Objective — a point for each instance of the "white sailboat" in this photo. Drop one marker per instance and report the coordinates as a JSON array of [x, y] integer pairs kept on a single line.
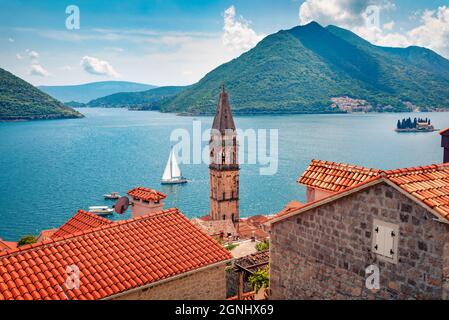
[[172, 173]]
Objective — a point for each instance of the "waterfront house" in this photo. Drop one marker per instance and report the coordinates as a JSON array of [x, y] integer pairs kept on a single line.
[[358, 221], [161, 255]]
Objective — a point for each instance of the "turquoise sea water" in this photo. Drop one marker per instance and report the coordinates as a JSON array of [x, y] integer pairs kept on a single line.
[[50, 169]]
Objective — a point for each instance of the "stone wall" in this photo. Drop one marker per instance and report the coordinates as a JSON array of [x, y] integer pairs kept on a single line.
[[207, 284], [224, 194], [323, 253], [232, 283]]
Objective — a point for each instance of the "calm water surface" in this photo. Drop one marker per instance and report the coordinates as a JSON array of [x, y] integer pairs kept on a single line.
[[50, 169]]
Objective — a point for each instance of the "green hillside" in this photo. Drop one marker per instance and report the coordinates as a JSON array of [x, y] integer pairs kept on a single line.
[[145, 100], [301, 69], [19, 100]]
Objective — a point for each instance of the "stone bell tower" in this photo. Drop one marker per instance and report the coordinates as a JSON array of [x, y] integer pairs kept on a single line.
[[224, 168]]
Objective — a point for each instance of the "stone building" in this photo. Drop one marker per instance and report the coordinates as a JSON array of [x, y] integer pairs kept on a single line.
[[224, 167], [161, 255], [364, 226]]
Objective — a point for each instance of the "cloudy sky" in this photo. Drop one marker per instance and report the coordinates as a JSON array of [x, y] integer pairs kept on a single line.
[[176, 42]]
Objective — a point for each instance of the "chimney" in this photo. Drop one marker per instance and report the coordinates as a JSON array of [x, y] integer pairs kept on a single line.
[[445, 144], [146, 201]]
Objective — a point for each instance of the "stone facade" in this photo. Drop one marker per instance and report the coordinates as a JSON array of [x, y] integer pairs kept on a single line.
[[206, 284], [323, 253], [224, 194]]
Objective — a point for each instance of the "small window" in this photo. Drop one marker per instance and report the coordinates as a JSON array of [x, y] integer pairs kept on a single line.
[[385, 240]]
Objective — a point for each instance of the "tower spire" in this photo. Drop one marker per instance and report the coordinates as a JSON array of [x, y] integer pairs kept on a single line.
[[223, 117]]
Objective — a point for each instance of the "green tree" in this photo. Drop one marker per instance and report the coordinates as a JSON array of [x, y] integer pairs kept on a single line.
[[259, 279], [28, 239], [261, 246]]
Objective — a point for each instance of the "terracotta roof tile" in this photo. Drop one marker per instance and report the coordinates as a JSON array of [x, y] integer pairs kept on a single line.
[[428, 184], [333, 176], [81, 221], [291, 206], [146, 194], [444, 131], [7, 245], [141, 251]]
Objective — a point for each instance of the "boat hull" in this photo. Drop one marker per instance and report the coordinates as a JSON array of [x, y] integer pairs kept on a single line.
[[174, 181], [101, 214]]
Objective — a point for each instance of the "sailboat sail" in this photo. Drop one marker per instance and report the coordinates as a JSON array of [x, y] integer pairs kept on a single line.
[[167, 172], [172, 173], [175, 171]]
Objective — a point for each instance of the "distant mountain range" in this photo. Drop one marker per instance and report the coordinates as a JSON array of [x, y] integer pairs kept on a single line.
[[20, 100], [144, 100], [86, 92], [301, 69]]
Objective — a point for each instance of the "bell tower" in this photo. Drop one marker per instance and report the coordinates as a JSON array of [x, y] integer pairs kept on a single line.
[[224, 168]]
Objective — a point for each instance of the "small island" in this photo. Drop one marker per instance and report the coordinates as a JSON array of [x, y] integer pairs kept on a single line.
[[415, 125]]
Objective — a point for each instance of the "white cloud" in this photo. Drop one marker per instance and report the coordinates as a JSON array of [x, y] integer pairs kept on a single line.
[[32, 54], [433, 33], [19, 56], [11, 40], [38, 70], [237, 32], [96, 66], [342, 13]]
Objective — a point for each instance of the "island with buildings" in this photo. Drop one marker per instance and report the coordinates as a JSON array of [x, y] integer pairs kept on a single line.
[[415, 125]]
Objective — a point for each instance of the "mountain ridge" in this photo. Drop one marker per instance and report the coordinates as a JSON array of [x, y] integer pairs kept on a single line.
[[86, 92], [19, 100], [142, 100], [299, 70]]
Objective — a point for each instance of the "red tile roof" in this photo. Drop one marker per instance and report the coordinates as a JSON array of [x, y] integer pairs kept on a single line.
[[146, 194], [333, 176], [429, 184], [444, 131], [46, 234], [112, 258], [7, 245], [81, 221], [256, 220], [216, 227], [290, 207]]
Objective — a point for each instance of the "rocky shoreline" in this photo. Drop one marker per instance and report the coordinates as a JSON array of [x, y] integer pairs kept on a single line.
[[39, 117]]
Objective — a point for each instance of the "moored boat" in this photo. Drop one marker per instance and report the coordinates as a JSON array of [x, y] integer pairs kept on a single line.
[[101, 210], [112, 196]]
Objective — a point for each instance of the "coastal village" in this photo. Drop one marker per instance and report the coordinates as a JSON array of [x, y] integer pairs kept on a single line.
[[354, 220]]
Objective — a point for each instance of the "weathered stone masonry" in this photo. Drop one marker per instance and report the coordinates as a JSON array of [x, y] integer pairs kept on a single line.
[[323, 253], [207, 284]]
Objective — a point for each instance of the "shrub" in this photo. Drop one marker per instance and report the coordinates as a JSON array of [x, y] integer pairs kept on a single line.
[[260, 279], [29, 239], [261, 246]]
